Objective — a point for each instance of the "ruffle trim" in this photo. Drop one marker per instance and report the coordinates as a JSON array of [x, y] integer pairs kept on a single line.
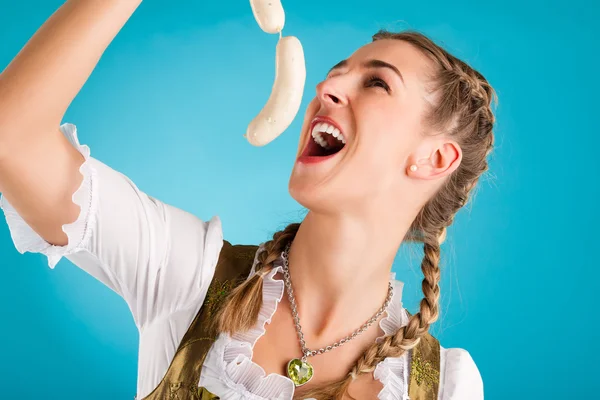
[[241, 378], [241, 373], [392, 372], [395, 316], [272, 292], [78, 234]]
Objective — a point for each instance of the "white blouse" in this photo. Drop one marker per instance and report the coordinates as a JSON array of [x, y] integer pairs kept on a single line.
[[161, 260]]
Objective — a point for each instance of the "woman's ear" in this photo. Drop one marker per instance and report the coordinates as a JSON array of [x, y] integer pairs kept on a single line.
[[434, 160]]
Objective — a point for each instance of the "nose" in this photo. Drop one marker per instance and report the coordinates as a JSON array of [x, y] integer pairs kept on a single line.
[[331, 94]]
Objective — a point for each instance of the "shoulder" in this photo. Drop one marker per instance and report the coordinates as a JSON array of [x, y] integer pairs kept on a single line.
[[459, 376]]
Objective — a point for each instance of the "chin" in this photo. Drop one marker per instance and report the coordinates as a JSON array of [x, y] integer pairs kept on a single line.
[[307, 194], [303, 192], [321, 198]]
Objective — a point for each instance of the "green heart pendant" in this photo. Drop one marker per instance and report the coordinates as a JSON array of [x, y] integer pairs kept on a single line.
[[300, 372]]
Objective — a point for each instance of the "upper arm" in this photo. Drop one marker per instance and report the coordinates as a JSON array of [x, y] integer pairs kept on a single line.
[[159, 258], [460, 377], [39, 176]]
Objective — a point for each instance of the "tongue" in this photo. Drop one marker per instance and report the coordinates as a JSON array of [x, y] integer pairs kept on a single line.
[[334, 144], [315, 150]]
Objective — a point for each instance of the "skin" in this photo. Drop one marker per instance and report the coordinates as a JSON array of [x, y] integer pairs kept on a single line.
[[341, 258]]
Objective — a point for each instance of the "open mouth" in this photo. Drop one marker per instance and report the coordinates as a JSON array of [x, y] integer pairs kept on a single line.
[[327, 140]]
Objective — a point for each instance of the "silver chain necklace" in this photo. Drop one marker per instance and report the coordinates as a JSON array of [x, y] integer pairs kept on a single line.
[[299, 370]]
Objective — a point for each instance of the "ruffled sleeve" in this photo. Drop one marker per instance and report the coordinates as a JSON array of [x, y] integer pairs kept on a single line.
[[159, 258], [460, 377], [27, 240]]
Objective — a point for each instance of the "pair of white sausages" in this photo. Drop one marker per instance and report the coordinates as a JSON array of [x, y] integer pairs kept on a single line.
[[290, 76]]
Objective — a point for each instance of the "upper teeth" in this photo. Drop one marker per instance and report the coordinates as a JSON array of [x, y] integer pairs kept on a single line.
[[322, 128]]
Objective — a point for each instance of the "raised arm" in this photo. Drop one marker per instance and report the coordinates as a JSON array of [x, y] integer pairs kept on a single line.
[[159, 258], [39, 168]]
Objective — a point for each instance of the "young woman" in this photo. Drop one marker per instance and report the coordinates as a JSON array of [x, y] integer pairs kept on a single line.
[[391, 146]]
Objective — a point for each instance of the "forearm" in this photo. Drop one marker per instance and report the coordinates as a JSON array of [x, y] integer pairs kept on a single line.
[[40, 83]]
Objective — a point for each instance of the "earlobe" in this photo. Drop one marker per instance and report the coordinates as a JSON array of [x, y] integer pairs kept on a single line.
[[419, 169]]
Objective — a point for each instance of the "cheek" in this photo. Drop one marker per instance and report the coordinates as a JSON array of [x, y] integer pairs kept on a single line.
[[403, 128], [386, 140]]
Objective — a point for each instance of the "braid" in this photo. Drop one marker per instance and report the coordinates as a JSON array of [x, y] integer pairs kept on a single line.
[[405, 338], [409, 336], [242, 306]]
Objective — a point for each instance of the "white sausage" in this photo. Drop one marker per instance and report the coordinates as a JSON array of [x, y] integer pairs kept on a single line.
[[269, 15], [286, 95]]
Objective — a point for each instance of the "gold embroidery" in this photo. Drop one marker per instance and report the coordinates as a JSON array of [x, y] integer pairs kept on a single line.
[[174, 388], [197, 392], [424, 372], [217, 292]]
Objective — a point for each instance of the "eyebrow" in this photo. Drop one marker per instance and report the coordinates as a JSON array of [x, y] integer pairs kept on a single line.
[[370, 64]]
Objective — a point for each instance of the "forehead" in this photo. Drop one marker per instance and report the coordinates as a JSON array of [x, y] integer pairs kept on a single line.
[[412, 63]]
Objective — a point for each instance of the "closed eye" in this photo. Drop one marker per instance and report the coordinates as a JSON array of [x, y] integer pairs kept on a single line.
[[375, 81]]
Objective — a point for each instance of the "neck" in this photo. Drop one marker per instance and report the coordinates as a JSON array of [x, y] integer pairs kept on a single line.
[[340, 269]]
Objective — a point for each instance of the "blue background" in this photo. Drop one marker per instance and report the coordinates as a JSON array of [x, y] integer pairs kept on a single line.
[[169, 102]]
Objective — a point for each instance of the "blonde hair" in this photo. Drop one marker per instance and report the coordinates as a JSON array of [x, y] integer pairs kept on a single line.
[[461, 110]]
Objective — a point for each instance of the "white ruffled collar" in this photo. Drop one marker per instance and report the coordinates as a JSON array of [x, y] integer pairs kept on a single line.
[[237, 354]]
